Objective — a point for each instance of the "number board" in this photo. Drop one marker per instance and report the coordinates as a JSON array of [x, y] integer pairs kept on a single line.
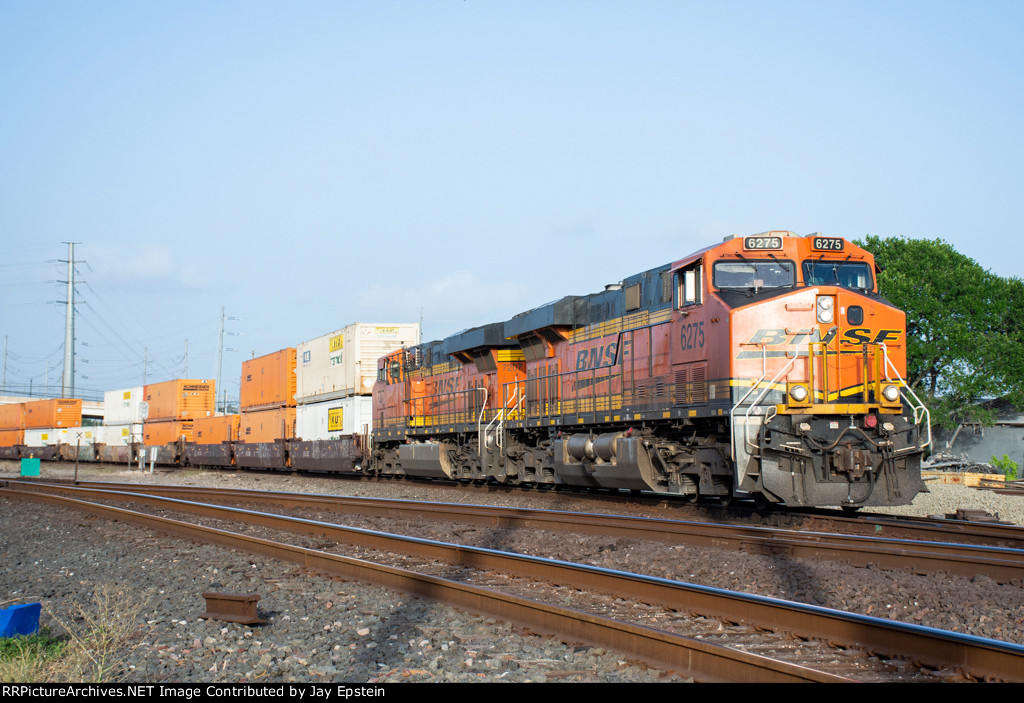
[[828, 244], [762, 242]]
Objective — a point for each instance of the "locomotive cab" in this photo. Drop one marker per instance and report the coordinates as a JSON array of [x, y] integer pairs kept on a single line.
[[820, 413]]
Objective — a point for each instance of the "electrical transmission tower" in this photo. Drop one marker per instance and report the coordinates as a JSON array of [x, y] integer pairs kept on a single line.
[[67, 385]]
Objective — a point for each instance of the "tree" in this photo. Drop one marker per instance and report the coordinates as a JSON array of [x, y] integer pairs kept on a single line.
[[965, 331]]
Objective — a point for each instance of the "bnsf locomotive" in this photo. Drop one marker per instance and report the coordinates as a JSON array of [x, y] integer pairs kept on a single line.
[[766, 367]]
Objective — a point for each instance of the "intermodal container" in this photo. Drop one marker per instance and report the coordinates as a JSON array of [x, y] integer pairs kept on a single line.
[[56, 412], [333, 419], [215, 430], [46, 437], [268, 381], [12, 438], [52, 436], [344, 362], [122, 407], [182, 399], [120, 435], [166, 432], [12, 416], [267, 425]]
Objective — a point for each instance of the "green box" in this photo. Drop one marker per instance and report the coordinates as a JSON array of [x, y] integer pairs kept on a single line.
[[30, 467]]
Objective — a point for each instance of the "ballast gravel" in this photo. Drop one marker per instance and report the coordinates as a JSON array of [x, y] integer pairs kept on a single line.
[[321, 629]]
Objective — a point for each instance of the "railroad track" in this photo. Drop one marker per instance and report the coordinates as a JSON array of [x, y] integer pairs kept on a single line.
[[933, 529], [799, 634], [1002, 564], [936, 529]]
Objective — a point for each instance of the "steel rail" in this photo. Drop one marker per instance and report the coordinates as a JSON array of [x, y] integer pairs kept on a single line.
[[1002, 564], [936, 648], [934, 529], [863, 523], [703, 661]]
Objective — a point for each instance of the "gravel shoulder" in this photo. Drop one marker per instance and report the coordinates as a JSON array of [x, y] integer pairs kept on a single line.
[[322, 629]]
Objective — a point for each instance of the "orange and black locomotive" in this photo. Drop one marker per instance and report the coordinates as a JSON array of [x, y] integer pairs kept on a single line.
[[767, 367]]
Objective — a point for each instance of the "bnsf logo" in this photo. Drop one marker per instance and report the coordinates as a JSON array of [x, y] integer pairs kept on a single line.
[[595, 357], [446, 385], [856, 335]]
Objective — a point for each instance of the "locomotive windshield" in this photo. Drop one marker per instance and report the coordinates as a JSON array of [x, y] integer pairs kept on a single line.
[[853, 275], [753, 274]]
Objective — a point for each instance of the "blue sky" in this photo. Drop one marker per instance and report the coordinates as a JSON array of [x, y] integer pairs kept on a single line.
[[311, 164]]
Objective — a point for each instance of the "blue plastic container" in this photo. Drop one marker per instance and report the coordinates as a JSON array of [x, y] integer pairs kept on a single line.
[[20, 619]]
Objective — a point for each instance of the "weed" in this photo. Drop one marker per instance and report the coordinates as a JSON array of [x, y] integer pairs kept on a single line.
[[1007, 465], [91, 650], [26, 658]]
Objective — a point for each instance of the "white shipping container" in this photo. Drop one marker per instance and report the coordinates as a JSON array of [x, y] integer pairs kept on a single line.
[[120, 435], [51, 436], [122, 407], [85, 435], [332, 419], [44, 437], [344, 362]]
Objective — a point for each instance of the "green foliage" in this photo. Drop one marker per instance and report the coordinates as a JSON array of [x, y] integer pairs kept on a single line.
[[1007, 466], [965, 327], [42, 642], [92, 650], [24, 659]]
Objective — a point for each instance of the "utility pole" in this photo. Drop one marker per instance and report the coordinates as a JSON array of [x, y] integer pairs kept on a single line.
[[145, 363], [67, 386], [3, 383], [220, 359], [186, 359]]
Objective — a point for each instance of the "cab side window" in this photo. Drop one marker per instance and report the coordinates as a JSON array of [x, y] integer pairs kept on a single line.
[[688, 285]]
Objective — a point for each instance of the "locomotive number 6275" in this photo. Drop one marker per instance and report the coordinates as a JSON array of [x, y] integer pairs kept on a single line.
[[765, 367]]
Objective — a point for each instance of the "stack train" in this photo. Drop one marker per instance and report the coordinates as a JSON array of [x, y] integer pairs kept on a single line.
[[766, 367]]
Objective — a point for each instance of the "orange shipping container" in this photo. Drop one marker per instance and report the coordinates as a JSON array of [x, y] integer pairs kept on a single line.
[[214, 430], [182, 399], [12, 416], [58, 412], [12, 438], [166, 432], [268, 381], [267, 425]]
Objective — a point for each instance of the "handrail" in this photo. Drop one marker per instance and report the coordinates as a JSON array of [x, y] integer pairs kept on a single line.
[[480, 419], [753, 405], [732, 411], [920, 410], [498, 418]]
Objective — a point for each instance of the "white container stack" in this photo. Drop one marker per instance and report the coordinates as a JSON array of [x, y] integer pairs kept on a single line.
[[335, 373], [122, 417]]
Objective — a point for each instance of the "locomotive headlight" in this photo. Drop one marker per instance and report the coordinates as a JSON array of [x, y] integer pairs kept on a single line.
[[825, 309], [891, 393], [798, 393]]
